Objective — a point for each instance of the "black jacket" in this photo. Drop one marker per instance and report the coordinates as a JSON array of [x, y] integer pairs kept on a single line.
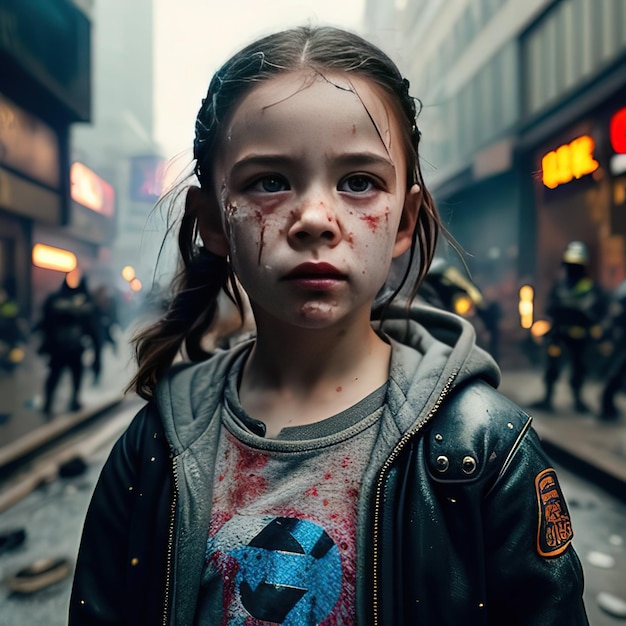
[[426, 531], [461, 521]]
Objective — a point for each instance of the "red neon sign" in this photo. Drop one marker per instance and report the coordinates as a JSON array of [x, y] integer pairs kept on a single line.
[[617, 131]]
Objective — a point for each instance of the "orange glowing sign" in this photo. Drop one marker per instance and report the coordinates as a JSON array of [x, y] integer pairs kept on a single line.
[[617, 131], [571, 160], [51, 258], [88, 189], [526, 306]]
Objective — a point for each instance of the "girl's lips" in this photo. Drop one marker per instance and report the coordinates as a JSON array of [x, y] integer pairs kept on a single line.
[[315, 276], [315, 271]]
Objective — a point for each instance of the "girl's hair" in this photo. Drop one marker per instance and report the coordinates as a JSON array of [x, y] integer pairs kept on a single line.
[[203, 275]]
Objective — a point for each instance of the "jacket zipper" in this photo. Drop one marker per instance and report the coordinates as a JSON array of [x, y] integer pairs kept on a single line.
[[379, 489], [170, 547]]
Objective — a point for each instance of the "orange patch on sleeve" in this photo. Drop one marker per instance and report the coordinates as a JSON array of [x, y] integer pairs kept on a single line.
[[554, 531]]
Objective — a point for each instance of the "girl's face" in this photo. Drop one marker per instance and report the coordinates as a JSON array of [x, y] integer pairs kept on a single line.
[[311, 179]]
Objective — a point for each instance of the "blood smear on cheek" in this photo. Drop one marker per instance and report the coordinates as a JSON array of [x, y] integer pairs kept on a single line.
[[372, 221]]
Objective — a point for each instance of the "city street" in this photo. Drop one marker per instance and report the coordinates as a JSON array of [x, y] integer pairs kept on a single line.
[[52, 517], [473, 152]]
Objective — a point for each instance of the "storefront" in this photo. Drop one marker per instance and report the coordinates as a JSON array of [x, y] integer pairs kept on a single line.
[[579, 194]]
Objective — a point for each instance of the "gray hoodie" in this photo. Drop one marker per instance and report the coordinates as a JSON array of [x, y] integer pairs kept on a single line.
[[429, 358]]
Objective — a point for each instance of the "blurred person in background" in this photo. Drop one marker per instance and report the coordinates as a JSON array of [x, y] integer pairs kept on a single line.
[[69, 326], [615, 343], [575, 308]]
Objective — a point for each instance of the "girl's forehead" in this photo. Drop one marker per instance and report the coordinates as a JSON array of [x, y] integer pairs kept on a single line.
[[286, 92]]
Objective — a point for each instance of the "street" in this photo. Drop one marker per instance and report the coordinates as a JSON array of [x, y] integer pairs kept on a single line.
[[52, 516]]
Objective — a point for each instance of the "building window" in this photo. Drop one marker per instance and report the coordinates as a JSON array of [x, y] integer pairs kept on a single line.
[[533, 53], [586, 43], [509, 96], [620, 23], [571, 43], [551, 54], [569, 49], [608, 33]]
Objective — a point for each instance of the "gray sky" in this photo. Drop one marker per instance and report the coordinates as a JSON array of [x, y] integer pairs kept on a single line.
[[194, 37]]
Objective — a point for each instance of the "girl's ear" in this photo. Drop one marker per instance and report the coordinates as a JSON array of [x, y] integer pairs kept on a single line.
[[408, 220], [207, 211]]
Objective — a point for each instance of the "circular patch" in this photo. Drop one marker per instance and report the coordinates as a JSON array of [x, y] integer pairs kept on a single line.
[[288, 571]]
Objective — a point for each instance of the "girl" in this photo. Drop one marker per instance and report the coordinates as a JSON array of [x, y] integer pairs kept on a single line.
[[331, 470]]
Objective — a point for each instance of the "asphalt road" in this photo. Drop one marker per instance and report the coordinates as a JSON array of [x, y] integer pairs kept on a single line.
[[52, 516]]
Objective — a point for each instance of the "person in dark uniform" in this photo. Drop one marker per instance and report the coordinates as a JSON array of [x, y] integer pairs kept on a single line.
[[616, 363], [69, 326], [576, 306]]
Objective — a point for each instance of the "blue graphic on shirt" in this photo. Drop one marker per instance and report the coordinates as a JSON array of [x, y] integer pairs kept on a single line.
[[289, 571]]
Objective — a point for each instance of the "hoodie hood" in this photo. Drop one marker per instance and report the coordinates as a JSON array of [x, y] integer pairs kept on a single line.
[[432, 351]]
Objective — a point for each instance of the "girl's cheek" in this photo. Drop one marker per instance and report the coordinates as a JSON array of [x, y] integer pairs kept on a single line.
[[249, 228], [379, 222]]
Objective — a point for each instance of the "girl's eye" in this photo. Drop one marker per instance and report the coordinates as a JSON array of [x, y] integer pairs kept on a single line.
[[270, 184], [358, 183]]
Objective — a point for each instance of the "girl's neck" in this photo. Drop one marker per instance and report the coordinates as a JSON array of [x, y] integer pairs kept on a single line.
[[301, 376], [296, 357]]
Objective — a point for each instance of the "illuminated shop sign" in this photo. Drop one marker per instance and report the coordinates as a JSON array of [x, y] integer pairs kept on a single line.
[[569, 161], [617, 131], [90, 190], [51, 258]]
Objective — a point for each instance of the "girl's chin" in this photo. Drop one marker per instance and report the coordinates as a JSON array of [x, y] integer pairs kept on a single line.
[[314, 317]]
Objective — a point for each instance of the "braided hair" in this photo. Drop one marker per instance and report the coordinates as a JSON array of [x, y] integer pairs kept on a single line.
[[203, 274]]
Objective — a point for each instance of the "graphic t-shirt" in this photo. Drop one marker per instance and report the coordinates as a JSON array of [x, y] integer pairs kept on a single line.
[[281, 545]]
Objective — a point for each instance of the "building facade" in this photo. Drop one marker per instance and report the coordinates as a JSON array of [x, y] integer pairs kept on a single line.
[[45, 87], [79, 168], [518, 103]]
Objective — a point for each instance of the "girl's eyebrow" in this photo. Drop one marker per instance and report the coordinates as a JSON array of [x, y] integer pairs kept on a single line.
[[356, 159], [364, 159], [260, 160]]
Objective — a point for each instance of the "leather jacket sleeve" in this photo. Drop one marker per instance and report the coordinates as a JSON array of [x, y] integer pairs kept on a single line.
[[515, 509], [117, 570], [529, 581], [462, 533]]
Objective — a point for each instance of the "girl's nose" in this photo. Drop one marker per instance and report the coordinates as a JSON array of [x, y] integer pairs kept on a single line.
[[315, 222]]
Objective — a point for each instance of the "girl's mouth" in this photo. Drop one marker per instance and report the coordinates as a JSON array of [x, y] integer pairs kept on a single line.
[[315, 276]]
